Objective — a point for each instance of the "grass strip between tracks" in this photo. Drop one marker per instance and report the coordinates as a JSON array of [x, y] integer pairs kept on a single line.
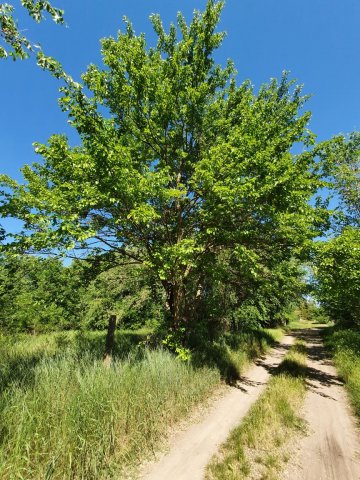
[[257, 448]]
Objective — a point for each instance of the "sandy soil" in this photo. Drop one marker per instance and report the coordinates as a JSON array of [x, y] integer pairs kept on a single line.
[[191, 450], [331, 450]]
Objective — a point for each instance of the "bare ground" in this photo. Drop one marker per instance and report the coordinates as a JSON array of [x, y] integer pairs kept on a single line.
[[331, 449], [191, 450]]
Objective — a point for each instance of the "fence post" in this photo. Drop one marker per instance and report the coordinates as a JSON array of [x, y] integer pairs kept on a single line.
[[110, 340]]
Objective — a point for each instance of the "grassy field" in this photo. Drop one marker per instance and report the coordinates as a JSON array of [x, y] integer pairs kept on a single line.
[[257, 448], [345, 348], [64, 416]]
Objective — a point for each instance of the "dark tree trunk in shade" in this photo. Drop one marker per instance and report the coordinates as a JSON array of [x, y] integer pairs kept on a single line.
[[110, 340]]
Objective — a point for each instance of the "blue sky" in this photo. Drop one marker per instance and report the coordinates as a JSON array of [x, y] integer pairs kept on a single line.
[[317, 40]]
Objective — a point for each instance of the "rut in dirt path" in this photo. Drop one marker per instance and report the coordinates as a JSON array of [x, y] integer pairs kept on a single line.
[[331, 450], [191, 450]]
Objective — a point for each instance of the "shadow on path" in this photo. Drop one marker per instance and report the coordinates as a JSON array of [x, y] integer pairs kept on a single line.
[[316, 378]]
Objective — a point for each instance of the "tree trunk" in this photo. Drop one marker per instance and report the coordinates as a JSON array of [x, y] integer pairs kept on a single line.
[[110, 340]]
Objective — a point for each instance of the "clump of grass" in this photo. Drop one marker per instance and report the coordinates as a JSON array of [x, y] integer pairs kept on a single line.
[[79, 420], [255, 449], [345, 347]]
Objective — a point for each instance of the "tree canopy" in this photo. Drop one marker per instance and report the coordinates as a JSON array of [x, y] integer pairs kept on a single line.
[[177, 164]]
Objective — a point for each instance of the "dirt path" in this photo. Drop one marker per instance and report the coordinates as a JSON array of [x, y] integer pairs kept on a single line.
[[331, 450], [191, 450]]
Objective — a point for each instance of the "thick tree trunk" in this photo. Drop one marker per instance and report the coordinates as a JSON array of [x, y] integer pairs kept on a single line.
[[110, 340], [177, 306], [175, 302]]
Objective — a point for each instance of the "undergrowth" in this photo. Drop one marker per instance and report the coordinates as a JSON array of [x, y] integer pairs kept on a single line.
[[233, 353]]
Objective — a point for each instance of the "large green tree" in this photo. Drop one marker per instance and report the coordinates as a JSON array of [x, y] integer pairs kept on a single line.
[[341, 162], [176, 163]]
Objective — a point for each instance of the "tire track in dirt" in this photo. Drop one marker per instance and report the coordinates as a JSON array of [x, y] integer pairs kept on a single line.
[[331, 449]]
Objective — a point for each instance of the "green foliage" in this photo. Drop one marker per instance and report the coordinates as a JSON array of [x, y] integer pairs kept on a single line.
[[241, 296], [175, 340], [127, 291], [38, 295], [176, 165], [337, 275], [341, 161], [308, 311], [337, 272], [14, 43]]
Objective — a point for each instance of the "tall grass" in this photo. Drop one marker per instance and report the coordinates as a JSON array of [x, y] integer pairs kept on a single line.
[[345, 347], [79, 420], [233, 353], [257, 447], [64, 416]]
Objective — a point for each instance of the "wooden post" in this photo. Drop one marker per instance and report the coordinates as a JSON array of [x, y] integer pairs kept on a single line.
[[110, 338]]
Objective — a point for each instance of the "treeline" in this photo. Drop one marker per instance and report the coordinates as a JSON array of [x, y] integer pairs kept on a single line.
[[40, 295]]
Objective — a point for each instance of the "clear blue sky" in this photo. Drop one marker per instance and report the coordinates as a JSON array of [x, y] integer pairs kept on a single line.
[[317, 40]]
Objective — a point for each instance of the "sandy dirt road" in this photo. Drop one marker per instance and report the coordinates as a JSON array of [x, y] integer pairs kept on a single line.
[[331, 449], [191, 450]]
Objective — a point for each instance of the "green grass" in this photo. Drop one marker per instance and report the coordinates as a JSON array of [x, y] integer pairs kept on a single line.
[[64, 416], [301, 324], [77, 419], [345, 348], [234, 352], [257, 447]]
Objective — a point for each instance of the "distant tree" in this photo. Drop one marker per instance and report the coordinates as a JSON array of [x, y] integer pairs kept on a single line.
[[38, 295], [176, 164]]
